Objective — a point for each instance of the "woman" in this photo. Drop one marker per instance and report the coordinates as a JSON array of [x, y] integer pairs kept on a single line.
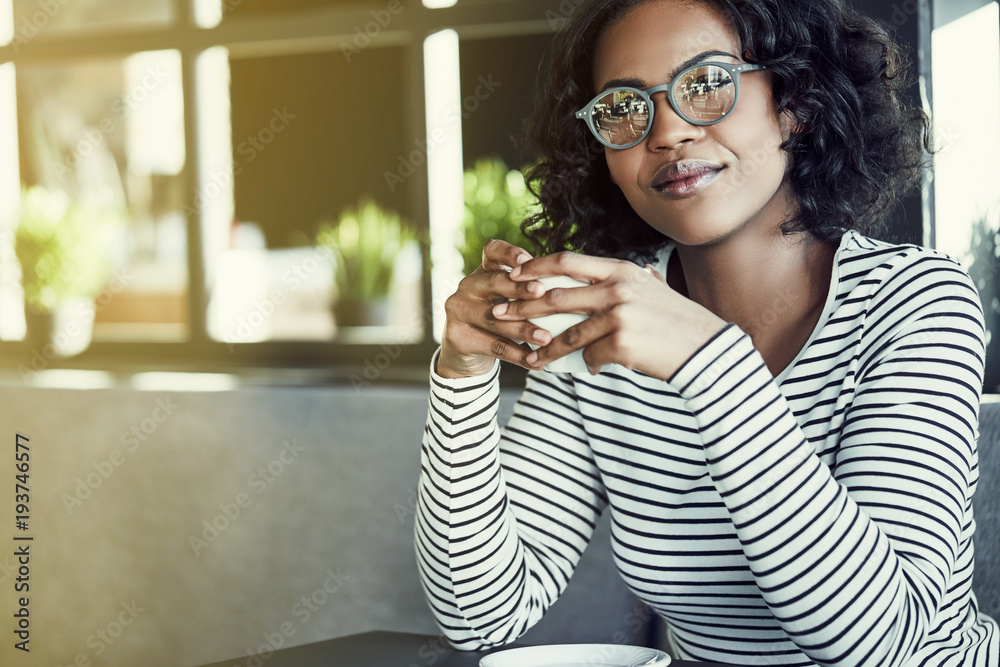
[[785, 425]]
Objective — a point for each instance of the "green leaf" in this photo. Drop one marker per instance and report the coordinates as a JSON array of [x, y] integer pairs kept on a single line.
[[58, 246], [365, 242], [497, 200]]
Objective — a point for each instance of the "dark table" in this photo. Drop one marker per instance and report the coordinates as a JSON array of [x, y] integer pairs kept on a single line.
[[377, 649]]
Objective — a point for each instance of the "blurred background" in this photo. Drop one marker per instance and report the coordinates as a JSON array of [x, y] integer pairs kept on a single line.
[[227, 230], [252, 182], [199, 158]]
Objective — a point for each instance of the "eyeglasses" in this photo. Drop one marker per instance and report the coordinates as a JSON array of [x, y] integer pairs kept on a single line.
[[702, 95]]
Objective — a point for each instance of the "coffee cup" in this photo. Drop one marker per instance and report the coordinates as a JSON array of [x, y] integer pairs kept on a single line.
[[557, 323]]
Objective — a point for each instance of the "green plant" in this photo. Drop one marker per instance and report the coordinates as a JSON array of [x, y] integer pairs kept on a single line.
[[58, 245], [497, 200], [365, 242]]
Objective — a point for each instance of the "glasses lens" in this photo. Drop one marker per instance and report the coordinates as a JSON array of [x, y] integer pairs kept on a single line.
[[705, 93], [621, 117]]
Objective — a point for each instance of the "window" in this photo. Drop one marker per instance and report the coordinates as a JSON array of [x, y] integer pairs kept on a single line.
[[110, 130], [209, 147], [966, 104], [209, 144]]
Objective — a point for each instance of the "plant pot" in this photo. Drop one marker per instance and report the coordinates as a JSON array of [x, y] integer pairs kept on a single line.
[[39, 327], [62, 333], [350, 312]]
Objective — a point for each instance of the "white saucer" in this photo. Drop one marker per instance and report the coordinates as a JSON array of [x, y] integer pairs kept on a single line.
[[577, 655]]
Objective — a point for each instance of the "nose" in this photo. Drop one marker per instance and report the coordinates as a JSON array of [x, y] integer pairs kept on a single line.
[[669, 130]]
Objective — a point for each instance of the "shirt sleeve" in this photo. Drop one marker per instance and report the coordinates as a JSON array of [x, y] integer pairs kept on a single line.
[[856, 559], [503, 515]]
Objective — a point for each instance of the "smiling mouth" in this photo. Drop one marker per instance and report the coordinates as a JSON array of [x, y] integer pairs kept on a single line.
[[682, 180]]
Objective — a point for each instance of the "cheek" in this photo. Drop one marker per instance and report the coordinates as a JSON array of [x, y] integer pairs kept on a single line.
[[759, 151]]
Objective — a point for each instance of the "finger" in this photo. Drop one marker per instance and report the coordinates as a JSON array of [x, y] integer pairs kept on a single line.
[[583, 300], [496, 287], [520, 330], [620, 287], [597, 336], [471, 306], [497, 346], [499, 255], [579, 336], [584, 268]]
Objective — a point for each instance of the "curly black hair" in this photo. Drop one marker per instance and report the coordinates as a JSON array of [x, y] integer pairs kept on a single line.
[[858, 147]]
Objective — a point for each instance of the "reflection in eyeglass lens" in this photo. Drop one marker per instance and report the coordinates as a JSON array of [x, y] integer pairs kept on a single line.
[[621, 117], [705, 93]]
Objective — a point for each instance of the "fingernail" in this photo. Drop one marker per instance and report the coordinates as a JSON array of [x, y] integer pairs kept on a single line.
[[536, 288], [532, 358], [500, 310], [543, 337], [516, 272], [522, 258]]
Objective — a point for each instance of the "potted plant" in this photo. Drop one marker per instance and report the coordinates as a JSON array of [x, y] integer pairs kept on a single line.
[[497, 200], [365, 243], [63, 263]]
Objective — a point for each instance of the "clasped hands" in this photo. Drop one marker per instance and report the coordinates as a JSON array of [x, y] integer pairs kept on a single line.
[[634, 318]]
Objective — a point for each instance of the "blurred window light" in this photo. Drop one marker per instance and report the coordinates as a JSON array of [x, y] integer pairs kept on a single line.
[[11, 309], [33, 18], [6, 22], [439, 4], [213, 200], [71, 379], [208, 13], [966, 111], [445, 177], [187, 382], [155, 117]]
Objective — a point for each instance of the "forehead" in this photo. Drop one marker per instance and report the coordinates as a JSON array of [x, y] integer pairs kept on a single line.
[[648, 42]]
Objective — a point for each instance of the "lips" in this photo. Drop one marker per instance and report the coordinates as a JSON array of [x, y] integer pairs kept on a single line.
[[685, 178]]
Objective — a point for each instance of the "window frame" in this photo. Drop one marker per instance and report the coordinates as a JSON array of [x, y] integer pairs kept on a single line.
[[274, 34]]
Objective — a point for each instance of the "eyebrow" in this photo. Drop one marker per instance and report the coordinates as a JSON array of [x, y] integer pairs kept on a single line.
[[694, 60]]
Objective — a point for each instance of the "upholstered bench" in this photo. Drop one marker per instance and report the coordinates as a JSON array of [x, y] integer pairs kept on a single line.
[[136, 501]]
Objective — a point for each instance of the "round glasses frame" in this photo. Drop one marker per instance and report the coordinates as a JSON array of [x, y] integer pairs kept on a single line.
[[587, 113]]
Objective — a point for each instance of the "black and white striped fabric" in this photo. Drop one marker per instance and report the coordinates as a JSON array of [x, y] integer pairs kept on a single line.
[[820, 517]]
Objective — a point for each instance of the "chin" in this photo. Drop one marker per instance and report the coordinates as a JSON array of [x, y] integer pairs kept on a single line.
[[698, 232]]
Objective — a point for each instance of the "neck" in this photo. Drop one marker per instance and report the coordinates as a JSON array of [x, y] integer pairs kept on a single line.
[[772, 286]]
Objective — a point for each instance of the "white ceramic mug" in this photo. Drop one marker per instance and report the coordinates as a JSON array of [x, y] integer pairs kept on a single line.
[[559, 322]]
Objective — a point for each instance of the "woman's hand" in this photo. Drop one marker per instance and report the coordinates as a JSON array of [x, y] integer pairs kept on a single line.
[[635, 319], [473, 337]]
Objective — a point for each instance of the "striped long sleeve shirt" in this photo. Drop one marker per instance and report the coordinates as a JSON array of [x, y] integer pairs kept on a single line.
[[823, 516]]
